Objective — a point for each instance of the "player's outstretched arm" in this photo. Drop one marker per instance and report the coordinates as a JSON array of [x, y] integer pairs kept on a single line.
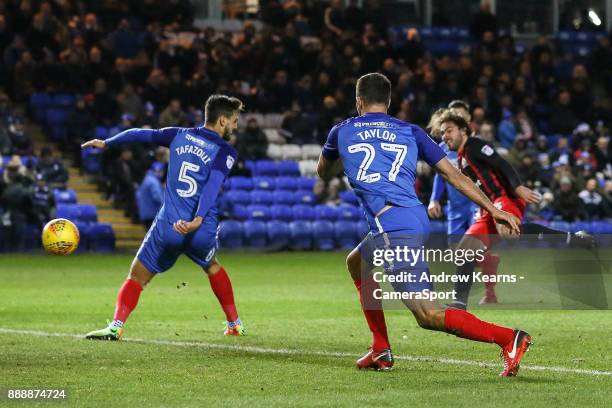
[[158, 136], [471, 191]]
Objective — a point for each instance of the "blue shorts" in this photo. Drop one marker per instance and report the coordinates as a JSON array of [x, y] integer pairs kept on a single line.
[[162, 245], [399, 227], [459, 222]]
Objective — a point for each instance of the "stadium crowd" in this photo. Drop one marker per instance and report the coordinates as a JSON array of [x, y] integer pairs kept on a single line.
[[143, 64]]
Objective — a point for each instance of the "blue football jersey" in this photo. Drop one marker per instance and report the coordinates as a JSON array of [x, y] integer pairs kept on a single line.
[[456, 200], [379, 154], [194, 153], [199, 162]]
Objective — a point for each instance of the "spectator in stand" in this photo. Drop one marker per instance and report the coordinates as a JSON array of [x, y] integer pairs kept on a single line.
[[6, 146], [51, 169], [173, 115], [149, 195], [483, 21], [252, 143], [80, 126], [16, 200], [594, 203], [20, 139], [105, 108], [603, 156], [567, 204], [43, 201], [564, 119], [125, 176], [130, 102]]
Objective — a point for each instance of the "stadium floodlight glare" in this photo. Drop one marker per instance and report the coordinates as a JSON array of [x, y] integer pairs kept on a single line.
[[594, 17]]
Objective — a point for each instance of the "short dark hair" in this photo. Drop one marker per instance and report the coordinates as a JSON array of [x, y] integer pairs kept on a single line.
[[458, 103], [221, 105], [458, 120], [374, 88]]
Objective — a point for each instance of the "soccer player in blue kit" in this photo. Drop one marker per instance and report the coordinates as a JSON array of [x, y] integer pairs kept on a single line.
[[460, 211], [379, 154], [200, 160]]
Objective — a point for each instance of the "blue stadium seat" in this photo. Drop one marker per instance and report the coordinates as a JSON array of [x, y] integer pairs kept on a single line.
[[345, 234], [306, 183], [288, 168], [87, 212], [305, 197], [241, 183], [239, 197], [284, 197], [281, 212], [32, 237], [231, 234], [255, 234], [323, 235], [258, 212], [64, 196], [101, 238], [56, 116], [326, 212], [348, 197], [286, 183], [264, 183], [350, 212], [84, 236], [250, 164], [262, 197], [65, 101], [77, 212], [301, 234], [303, 212], [265, 168], [40, 102], [279, 234], [92, 160], [240, 211]]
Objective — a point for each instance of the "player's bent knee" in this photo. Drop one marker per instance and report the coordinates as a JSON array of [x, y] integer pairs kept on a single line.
[[213, 267], [353, 264], [140, 273]]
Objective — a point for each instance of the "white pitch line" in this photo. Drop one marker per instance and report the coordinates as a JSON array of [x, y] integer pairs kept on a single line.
[[285, 351]]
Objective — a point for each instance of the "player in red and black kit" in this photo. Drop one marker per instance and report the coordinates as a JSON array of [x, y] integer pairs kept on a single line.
[[499, 181], [496, 178]]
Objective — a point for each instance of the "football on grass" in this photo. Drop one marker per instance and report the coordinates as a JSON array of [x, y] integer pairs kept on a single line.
[[60, 237]]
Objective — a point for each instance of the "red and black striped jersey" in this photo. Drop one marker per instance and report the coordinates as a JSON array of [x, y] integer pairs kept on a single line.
[[488, 170]]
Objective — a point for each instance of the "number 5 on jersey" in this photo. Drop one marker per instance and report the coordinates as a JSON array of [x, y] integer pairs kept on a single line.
[[190, 181], [370, 154]]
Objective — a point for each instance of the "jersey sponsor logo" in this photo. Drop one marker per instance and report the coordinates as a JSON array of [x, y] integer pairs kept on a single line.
[[195, 140], [487, 150], [373, 124], [229, 162]]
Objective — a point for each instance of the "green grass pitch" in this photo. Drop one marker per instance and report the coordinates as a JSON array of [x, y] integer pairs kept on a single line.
[[305, 331]]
